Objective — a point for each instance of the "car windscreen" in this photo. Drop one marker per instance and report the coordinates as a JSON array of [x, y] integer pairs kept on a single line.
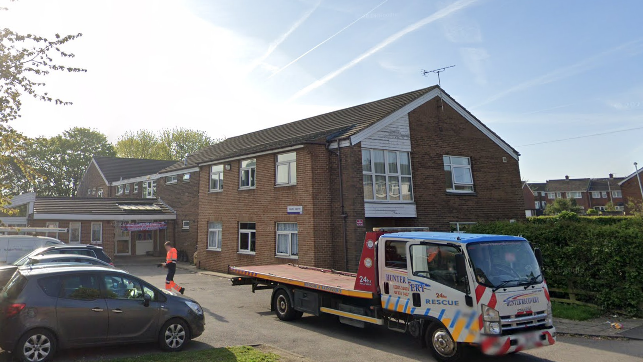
[[14, 287]]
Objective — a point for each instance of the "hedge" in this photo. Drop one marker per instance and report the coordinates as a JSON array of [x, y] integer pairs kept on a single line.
[[600, 254]]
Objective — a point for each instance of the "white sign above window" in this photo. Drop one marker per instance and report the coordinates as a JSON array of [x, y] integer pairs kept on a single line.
[[295, 210]]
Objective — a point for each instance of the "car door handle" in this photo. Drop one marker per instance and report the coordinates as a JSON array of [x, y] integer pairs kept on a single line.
[[117, 311], [97, 309]]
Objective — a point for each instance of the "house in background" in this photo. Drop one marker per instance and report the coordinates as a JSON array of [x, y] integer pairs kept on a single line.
[[535, 195], [605, 190], [306, 192], [632, 189]]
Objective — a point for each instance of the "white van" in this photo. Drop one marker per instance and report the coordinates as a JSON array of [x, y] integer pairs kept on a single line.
[[13, 247]]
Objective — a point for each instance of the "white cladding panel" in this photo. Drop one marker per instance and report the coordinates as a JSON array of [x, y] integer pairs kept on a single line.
[[396, 136], [386, 209]]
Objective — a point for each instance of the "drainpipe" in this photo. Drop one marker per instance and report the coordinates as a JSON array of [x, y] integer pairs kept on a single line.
[[341, 201]]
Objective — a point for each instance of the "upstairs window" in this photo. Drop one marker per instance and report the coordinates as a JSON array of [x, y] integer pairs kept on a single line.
[[186, 225], [186, 177], [149, 189], [248, 174], [574, 195], [136, 187], [387, 175], [100, 192], [551, 195], [170, 179], [119, 190], [287, 169], [596, 195], [604, 194], [127, 189], [458, 174], [617, 193], [216, 178]]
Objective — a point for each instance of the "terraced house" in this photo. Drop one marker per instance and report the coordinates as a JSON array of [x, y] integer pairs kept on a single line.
[[307, 191]]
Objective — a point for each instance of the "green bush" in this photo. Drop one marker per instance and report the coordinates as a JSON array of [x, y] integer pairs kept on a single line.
[[592, 212], [600, 254]]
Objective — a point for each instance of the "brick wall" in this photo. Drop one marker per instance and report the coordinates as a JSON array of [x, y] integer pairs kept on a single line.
[[92, 180], [631, 191], [85, 232], [183, 197]]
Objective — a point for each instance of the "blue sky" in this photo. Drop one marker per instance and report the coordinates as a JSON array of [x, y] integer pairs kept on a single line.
[[533, 71]]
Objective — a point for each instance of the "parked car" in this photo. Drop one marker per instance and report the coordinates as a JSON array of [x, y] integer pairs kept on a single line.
[[46, 309], [12, 247], [6, 271], [87, 250]]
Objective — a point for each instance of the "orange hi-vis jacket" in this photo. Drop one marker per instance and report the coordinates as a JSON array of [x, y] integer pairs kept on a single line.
[[171, 256]]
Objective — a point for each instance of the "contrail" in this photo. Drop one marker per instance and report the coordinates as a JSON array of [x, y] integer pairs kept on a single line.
[[564, 72], [282, 38], [457, 6], [327, 39]]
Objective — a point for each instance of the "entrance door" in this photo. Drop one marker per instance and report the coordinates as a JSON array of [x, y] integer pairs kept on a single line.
[[123, 241], [144, 242]]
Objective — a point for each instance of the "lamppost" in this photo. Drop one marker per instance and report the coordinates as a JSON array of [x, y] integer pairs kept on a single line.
[[638, 177]]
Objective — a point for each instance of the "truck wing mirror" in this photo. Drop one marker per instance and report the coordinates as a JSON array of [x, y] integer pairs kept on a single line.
[[460, 266], [539, 257]]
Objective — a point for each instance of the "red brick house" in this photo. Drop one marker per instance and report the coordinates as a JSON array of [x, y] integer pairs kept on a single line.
[[631, 187], [535, 195], [307, 191]]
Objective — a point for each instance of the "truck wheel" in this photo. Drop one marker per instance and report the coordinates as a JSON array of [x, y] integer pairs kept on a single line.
[[283, 306], [442, 345], [37, 345]]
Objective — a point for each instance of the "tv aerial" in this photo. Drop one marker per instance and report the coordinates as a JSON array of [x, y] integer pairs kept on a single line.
[[437, 71]]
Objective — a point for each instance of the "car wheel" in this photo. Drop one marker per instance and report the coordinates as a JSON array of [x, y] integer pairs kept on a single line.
[[283, 306], [38, 345], [174, 335], [442, 345]]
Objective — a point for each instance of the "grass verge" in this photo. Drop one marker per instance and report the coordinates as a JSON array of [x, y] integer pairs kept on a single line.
[[228, 354], [574, 312]]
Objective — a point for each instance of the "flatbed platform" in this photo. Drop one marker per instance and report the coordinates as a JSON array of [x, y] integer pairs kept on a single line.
[[307, 277]]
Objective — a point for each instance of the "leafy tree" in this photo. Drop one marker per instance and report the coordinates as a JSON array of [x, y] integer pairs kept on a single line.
[[559, 205], [610, 206], [635, 207], [24, 61], [167, 144]]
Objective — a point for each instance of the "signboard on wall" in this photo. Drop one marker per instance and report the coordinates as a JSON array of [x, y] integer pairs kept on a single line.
[[359, 222], [295, 210], [144, 226]]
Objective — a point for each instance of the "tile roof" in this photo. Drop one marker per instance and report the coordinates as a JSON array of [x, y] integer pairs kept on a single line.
[[537, 186], [605, 184], [114, 168], [341, 123], [579, 184], [100, 206]]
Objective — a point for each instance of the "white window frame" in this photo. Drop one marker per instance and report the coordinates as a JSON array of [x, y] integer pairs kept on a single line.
[[617, 194], [100, 192], [127, 189], [76, 225], [619, 208], [186, 225], [252, 181], [453, 182], [599, 208], [559, 195], [186, 177], [91, 237], [551, 195], [149, 185], [89, 192], [292, 174], [249, 232], [136, 187], [537, 204], [388, 174], [596, 194], [216, 171], [604, 194], [93, 191], [290, 233], [574, 195], [119, 190], [218, 235], [52, 224], [171, 180]]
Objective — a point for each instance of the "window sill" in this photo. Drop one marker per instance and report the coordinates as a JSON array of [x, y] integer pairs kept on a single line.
[[246, 252], [390, 201], [287, 257], [214, 191], [185, 229], [285, 185], [463, 193], [247, 188], [213, 249]]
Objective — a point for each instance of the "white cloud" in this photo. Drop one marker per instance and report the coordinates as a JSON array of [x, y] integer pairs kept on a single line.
[[475, 60]]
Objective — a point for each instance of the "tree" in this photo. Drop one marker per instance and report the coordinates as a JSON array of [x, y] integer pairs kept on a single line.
[[560, 205], [24, 61], [167, 144]]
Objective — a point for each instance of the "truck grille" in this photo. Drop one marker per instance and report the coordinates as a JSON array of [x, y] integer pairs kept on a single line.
[[522, 322]]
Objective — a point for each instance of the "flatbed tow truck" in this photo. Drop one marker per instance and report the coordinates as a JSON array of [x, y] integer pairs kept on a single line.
[[447, 290]]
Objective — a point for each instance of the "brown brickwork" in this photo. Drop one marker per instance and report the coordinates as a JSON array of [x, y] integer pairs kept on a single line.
[[183, 198], [92, 180], [85, 232], [631, 192]]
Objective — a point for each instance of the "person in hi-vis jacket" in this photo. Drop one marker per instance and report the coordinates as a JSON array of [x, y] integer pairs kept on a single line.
[[170, 264]]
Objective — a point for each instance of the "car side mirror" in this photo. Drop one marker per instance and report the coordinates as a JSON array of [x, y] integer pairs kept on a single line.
[[460, 266], [539, 257], [146, 300]]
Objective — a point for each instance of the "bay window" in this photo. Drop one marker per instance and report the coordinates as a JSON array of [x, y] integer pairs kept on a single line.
[[387, 175]]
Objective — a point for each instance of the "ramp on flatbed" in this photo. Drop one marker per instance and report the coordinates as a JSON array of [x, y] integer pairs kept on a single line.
[[307, 277]]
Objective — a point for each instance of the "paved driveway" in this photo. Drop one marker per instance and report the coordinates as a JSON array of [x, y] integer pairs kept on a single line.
[[235, 316]]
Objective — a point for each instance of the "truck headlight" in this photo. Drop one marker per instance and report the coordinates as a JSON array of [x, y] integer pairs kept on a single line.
[[196, 308], [549, 322], [491, 320]]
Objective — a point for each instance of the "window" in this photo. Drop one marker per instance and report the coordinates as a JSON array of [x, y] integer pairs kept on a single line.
[[619, 208], [387, 175], [551, 195], [136, 187], [617, 193], [186, 177], [599, 208], [247, 237], [559, 195], [81, 287], [74, 233], [97, 233], [436, 262], [461, 227], [89, 192], [395, 254], [216, 178], [537, 205], [186, 224], [170, 179], [458, 174], [287, 169], [604, 194], [214, 235], [119, 190], [287, 239], [51, 286], [100, 192], [123, 287], [52, 225], [127, 189], [248, 174], [94, 191], [596, 194], [573, 195], [149, 189], [544, 204]]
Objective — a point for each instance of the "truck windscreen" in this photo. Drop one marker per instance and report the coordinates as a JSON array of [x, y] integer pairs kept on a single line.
[[504, 264]]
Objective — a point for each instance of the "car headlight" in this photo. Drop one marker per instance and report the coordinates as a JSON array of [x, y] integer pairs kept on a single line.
[[549, 322], [196, 308], [491, 320]]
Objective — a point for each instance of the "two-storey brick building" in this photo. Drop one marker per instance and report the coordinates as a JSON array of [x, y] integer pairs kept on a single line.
[[306, 192]]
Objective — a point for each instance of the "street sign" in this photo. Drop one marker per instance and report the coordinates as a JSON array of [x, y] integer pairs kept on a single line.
[[295, 210]]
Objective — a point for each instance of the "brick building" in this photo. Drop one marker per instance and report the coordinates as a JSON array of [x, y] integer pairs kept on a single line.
[[631, 188], [306, 192], [535, 195]]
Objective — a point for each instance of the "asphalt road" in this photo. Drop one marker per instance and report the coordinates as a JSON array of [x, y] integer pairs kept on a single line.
[[235, 316]]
